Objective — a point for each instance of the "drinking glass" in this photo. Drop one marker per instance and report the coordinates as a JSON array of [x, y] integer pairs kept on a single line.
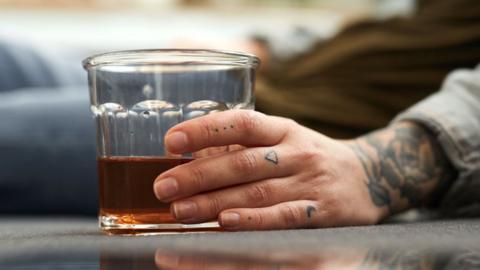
[[136, 97]]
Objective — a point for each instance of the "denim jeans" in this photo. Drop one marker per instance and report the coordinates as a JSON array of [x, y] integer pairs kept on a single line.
[[47, 140]]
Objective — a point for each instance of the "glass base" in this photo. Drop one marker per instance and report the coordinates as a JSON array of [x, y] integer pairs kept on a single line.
[[111, 226]]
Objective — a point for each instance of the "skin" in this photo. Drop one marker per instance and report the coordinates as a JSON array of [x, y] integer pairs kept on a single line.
[[344, 259], [287, 176], [341, 259]]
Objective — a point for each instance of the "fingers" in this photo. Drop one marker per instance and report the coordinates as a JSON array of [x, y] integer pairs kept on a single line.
[[247, 128], [207, 206], [335, 258], [225, 170], [287, 215]]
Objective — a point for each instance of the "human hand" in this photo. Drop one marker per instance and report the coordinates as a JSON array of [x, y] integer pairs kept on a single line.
[[286, 176], [332, 258], [340, 259]]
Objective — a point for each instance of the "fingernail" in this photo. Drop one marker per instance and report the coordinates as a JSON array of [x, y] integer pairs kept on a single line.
[[229, 219], [184, 210], [176, 142], [165, 188]]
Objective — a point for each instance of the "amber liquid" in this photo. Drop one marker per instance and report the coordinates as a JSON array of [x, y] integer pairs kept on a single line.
[[126, 189]]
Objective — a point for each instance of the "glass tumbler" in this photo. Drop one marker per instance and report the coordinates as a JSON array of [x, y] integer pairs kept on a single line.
[[136, 97]]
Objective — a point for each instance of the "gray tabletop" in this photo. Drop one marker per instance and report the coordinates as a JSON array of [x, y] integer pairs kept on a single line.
[[77, 243]]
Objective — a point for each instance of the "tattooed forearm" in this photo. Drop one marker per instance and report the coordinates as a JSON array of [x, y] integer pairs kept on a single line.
[[404, 165]]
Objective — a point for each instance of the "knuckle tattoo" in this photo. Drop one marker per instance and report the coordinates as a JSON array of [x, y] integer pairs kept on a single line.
[[272, 157], [310, 210]]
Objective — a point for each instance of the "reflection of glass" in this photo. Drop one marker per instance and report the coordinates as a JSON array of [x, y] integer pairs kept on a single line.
[[131, 260], [136, 96], [140, 257], [335, 259]]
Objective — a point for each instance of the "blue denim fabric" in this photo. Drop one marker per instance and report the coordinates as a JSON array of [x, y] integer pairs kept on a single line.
[[47, 146], [47, 140]]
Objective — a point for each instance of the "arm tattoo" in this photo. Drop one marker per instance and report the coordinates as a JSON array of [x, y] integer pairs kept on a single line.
[[272, 157], [310, 209], [402, 162]]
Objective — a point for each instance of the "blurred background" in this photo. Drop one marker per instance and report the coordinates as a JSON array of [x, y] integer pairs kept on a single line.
[[341, 67], [90, 26]]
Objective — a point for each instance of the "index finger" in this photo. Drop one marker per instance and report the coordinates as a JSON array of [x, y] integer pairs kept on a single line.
[[243, 127]]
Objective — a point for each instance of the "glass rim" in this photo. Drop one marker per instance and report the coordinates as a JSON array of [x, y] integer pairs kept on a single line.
[[171, 57]]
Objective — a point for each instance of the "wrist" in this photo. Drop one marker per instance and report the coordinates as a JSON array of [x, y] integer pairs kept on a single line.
[[403, 164], [377, 193]]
